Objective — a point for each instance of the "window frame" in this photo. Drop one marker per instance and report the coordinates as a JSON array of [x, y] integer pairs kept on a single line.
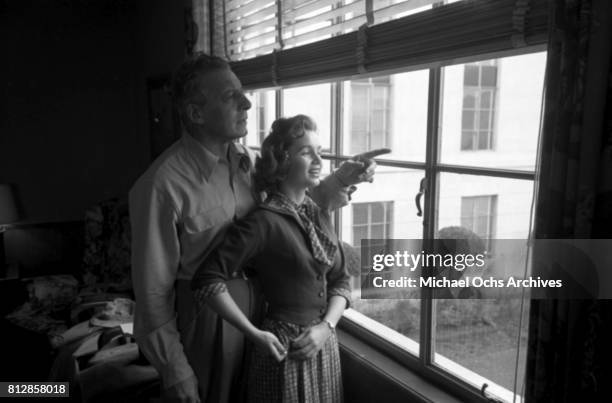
[[423, 364]]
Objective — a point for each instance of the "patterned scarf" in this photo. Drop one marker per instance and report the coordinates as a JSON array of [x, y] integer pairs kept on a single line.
[[323, 248]]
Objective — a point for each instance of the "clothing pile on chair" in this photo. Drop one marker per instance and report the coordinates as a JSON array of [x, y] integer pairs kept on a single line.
[[89, 322]]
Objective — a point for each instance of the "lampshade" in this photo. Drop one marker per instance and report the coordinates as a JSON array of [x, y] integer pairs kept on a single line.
[[8, 205]]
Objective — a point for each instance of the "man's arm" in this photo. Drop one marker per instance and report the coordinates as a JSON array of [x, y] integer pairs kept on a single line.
[[155, 262]]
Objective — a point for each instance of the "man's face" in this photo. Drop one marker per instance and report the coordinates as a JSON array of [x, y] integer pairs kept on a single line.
[[224, 113]]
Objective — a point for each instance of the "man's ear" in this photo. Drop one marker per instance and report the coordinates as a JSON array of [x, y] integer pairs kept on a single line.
[[194, 113]]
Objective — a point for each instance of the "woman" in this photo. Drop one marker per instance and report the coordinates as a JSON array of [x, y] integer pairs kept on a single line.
[[289, 244]]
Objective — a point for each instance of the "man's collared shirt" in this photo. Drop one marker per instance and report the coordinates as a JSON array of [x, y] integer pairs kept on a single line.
[[179, 210]]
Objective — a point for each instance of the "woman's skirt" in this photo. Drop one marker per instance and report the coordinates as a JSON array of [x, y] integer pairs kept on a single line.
[[316, 380]]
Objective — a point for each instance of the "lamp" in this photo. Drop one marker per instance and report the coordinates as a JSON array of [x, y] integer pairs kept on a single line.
[[8, 214]]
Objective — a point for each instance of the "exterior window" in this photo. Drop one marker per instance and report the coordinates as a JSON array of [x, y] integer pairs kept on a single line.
[[261, 116], [262, 121], [478, 214], [479, 90], [372, 221], [370, 115]]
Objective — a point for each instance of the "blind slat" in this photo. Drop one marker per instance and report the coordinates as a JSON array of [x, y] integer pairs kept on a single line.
[[259, 51], [259, 42], [239, 35], [328, 15], [292, 13], [392, 10], [333, 29], [246, 8], [253, 18], [456, 31]]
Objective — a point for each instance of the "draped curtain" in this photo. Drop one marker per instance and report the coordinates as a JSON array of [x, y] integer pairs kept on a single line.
[[569, 353]]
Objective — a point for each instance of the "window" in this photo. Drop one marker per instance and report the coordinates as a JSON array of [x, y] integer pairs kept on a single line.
[[370, 114], [261, 116], [477, 125], [478, 214], [372, 221], [430, 110]]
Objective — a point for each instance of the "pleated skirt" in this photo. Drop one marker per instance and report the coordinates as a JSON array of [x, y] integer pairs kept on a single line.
[[316, 380]]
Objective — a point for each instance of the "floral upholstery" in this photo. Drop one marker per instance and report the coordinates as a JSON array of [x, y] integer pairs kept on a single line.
[[106, 274], [106, 259]]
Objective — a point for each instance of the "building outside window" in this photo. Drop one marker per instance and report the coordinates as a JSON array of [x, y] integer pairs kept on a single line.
[[370, 113], [478, 214], [477, 123]]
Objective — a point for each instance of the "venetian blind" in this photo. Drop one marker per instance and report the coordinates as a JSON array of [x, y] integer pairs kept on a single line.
[[286, 42]]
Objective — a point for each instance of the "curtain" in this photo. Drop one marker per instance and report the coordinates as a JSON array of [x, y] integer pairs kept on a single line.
[[200, 35], [569, 355]]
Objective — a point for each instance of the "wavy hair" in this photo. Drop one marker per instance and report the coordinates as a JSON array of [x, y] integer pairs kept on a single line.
[[186, 82], [273, 164]]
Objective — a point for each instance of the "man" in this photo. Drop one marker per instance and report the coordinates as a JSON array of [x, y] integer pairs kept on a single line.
[[179, 210]]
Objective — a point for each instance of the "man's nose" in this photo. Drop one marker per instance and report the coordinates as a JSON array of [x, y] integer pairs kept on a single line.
[[245, 103]]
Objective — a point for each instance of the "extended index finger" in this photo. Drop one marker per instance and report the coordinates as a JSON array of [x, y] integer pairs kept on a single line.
[[368, 155]]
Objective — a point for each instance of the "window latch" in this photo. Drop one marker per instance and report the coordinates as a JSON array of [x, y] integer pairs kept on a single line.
[[486, 396], [419, 196]]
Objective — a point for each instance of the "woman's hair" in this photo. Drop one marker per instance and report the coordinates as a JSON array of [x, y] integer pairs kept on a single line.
[[273, 164]]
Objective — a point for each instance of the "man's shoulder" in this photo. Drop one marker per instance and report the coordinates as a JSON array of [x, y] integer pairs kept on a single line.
[[171, 165]]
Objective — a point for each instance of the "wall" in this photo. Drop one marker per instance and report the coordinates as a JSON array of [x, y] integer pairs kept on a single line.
[[73, 121]]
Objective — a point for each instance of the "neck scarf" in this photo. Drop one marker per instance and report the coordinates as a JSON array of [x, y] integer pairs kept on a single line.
[[322, 247]]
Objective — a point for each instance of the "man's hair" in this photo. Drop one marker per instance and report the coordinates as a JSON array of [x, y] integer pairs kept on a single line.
[[273, 165], [186, 81]]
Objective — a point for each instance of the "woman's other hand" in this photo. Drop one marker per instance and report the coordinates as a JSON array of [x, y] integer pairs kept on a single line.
[[310, 342], [270, 343]]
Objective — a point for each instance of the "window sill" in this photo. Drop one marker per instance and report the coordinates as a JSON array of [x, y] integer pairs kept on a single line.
[[394, 382]]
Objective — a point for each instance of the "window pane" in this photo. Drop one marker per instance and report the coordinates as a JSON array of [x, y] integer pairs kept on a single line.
[[489, 76], [261, 116], [470, 77], [467, 140], [380, 96], [378, 120], [485, 100], [478, 338], [388, 206], [397, 105], [484, 120], [314, 101], [515, 107], [377, 231], [467, 121], [359, 233], [377, 212], [483, 140], [469, 101], [360, 213]]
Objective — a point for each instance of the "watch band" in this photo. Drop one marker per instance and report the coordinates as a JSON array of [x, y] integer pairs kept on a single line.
[[329, 324]]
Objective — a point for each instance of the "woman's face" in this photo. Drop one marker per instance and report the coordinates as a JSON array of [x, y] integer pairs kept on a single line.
[[304, 162]]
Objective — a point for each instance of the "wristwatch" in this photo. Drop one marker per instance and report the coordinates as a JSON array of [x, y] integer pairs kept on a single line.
[[329, 324]]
